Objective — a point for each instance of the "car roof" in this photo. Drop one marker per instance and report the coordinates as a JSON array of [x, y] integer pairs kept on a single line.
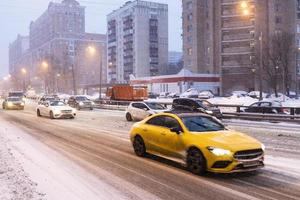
[[181, 113]]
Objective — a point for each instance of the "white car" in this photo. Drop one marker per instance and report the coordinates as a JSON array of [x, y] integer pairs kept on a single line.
[[55, 110], [141, 110], [206, 94]]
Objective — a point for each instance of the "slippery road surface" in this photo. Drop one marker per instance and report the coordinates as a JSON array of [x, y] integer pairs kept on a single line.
[[99, 142]]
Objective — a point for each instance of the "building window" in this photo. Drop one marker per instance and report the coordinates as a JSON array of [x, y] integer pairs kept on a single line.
[[190, 51], [189, 5], [190, 17], [189, 28], [278, 20], [298, 28]]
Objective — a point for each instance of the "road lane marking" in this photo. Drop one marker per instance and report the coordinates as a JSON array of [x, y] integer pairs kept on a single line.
[[267, 189]]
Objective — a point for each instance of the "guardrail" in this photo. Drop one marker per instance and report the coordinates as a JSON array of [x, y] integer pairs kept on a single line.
[[237, 113]]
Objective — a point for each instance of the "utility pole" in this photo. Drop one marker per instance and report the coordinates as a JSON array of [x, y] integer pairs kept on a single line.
[[100, 83], [74, 81], [261, 66]]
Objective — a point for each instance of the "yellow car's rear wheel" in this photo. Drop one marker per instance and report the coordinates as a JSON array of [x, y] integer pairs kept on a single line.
[[196, 163], [139, 146]]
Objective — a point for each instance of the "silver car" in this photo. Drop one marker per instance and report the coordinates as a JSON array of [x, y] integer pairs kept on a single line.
[[141, 110]]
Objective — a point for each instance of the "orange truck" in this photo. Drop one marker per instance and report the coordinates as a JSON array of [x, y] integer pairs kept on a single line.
[[127, 93]]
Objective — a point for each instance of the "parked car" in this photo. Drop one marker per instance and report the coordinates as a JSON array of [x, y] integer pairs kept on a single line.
[[266, 107], [141, 110], [13, 103], [200, 141], [205, 95], [196, 105], [81, 102], [55, 110]]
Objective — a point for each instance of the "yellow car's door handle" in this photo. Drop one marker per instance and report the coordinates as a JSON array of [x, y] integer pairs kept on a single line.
[[163, 134]]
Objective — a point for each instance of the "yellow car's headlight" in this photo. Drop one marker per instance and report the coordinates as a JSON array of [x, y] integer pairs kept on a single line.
[[218, 151], [10, 104], [263, 147]]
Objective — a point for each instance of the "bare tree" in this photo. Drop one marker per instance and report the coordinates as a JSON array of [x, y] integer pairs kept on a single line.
[[276, 61]]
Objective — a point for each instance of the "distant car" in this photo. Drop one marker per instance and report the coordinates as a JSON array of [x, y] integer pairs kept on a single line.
[[47, 98], [55, 110], [205, 95], [152, 95], [13, 103], [173, 95], [266, 107], [141, 110], [190, 93], [196, 105], [199, 141], [17, 94], [256, 94], [239, 93], [81, 102], [164, 94]]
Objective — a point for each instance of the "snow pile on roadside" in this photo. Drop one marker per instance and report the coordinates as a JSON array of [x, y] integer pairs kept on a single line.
[[233, 100], [14, 182]]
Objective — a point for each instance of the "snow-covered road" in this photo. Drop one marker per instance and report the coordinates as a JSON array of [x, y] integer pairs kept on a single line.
[[91, 158], [31, 170]]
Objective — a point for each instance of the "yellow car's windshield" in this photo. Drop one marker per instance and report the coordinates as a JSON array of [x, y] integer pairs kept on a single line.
[[201, 124]]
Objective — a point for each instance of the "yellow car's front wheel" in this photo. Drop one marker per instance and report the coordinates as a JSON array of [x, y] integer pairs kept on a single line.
[[196, 163], [139, 146]]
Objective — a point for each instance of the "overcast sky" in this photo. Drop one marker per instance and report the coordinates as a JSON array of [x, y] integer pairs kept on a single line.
[[15, 16]]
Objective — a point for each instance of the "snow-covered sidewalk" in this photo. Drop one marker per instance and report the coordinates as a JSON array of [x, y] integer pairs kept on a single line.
[[31, 170]]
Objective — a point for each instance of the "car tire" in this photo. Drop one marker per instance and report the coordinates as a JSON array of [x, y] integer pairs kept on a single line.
[[38, 113], [139, 146], [51, 115], [128, 117], [91, 108], [195, 161]]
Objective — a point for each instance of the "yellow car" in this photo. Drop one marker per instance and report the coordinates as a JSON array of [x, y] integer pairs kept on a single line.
[[198, 140]]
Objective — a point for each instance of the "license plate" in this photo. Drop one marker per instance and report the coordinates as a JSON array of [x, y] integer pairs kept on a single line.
[[251, 164]]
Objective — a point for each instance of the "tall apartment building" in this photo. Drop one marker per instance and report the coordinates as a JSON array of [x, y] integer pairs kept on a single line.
[[223, 36], [58, 38], [16, 49], [298, 41], [19, 57], [137, 41]]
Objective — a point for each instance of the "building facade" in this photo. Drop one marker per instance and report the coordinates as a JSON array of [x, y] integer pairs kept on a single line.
[[64, 58], [19, 57], [179, 83], [137, 41], [224, 36]]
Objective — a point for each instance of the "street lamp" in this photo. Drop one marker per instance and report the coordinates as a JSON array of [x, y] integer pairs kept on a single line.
[[45, 67], [92, 50], [24, 72]]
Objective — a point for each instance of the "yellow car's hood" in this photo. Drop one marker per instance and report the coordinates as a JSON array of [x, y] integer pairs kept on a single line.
[[230, 140]]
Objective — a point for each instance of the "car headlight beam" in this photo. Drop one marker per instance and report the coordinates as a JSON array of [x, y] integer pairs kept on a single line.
[[219, 151], [81, 103]]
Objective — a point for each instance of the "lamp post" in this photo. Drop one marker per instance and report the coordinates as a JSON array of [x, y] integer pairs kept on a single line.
[[58, 75], [297, 73], [45, 67], [92, 50], [246, 12], [24, 72]]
